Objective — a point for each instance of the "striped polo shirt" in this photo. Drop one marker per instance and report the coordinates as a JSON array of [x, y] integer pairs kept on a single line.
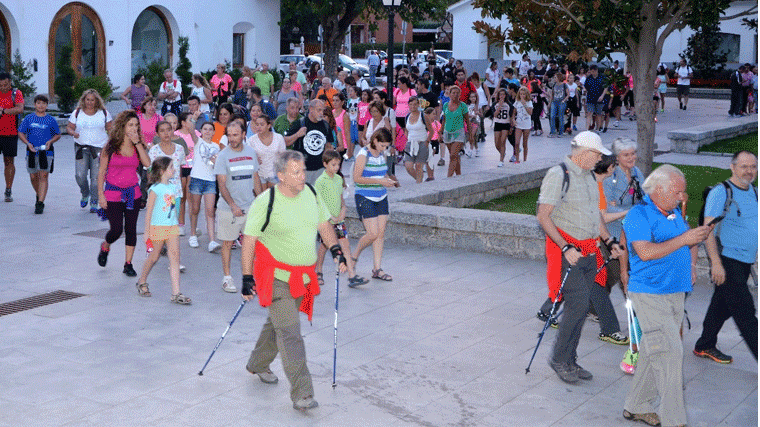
[[375, 168]]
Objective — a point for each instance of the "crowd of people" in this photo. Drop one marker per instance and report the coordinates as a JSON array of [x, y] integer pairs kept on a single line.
[[267, 163]]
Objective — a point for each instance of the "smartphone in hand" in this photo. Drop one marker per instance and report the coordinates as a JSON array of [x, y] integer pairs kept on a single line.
[[716, 220]]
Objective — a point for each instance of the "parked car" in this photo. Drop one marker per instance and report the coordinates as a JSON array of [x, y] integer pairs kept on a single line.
[[285, 61], [445, 54], [346, 63]]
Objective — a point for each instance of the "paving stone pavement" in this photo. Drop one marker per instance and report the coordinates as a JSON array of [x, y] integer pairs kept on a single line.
[[445, 344]]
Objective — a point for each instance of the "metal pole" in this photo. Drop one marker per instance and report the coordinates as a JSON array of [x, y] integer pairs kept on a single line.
[[389, 68]]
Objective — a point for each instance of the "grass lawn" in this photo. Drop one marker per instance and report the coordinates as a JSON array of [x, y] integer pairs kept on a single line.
[[744, 142], [697, 178]]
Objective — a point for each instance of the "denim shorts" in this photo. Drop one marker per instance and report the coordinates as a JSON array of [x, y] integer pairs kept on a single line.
[[594, 107], [367, 208], [201, 186]]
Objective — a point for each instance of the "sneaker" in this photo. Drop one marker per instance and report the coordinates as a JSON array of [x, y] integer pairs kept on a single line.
[[468, 152], [551, 135], [103, 255], [500, 165], [628, 365], [305, 403], [662, 110], [227, 285], [93, 207], [102, 214], [714, 354], [83, 202], [616, 123], [575, 128], [129, 271], [604, 130], [614, 338], [266, 377], [649, 418], [441, 162], [684, 107], [544, 316], [565, 371], [582, 373], [680, 105], [39, 207], [477, 152], [214, 247], [8, 195], [512, 159], [193, 241], [181, 230]]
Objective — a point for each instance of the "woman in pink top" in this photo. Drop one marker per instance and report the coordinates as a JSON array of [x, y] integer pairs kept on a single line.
[[401, 97], [118, 185], [148, 119], [220, 85], [363, 107], [342, 122]]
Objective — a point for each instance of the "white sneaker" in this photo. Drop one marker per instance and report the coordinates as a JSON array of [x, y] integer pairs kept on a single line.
[[477, 152], [214, 247], [227, 285], [192, 241], [500, 165], [181, 230], [616, 124]]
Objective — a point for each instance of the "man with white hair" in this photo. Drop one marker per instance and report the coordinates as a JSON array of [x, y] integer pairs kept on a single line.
[[659, 244], [732, 250], [568, 212]]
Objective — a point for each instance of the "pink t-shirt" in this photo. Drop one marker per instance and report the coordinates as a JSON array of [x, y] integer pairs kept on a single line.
[[190, 147], [364, 115], [148, 127], [402, 101], [436, 130], [339, 125], [122, 173], [225, 81]]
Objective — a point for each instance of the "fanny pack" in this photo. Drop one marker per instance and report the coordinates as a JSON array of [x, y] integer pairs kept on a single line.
[[79, 151]]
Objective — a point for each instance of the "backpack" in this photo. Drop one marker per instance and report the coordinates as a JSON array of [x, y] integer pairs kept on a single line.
[[105, 115], [19, 116], [726, 207], [565, 180], [270, 206]]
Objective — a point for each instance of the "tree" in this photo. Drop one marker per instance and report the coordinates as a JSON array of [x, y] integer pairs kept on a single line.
[[65, 79], [702, 49], [183, 68], [335, 16], [595, 28], [21, 75]]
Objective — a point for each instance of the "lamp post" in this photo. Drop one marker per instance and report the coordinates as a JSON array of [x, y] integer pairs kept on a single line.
[[391, 5]]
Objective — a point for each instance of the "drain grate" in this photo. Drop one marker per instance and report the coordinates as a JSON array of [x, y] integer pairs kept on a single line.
[[37, 301]]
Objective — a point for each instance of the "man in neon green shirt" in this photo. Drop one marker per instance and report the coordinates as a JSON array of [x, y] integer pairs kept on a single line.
[[264, 80]]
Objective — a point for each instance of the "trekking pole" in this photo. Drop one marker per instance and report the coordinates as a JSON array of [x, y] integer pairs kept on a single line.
[[335, 324], [549, 318], [223, 335]]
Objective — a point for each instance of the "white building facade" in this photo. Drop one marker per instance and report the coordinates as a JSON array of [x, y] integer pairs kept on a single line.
[[739, 41], [115, 38]]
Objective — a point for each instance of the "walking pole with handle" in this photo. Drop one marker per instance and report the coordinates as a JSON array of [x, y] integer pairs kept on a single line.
[[549, 319], [335, 324], [223, 335]]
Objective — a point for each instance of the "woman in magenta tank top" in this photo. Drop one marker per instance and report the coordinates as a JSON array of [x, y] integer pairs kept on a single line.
[[119, 185]]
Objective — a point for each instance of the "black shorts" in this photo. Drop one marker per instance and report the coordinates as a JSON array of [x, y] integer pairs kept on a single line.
[[498, 127], [185, 172], [9, 145], [360, 127], [616, 102], [401, 122], [682, 90]]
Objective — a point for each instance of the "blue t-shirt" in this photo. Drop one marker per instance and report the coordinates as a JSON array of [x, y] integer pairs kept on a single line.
[[594, 88], [39, 130], [666, 275], [165, 210], [738, 233]]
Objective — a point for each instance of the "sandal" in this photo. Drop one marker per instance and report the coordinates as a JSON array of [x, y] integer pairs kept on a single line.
[[356, 281], [385, 276], [142, 289], [320, 279], [181, 299]]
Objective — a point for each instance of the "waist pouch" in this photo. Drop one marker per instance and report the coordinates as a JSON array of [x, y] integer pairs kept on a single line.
[[79, 151]]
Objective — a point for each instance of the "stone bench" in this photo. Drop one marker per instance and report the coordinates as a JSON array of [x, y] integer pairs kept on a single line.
[[690, 139]]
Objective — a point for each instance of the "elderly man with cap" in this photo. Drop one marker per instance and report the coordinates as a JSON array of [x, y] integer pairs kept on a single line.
[[569, 215]]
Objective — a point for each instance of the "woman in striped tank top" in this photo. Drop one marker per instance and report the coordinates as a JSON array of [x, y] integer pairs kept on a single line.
[[371, 179]]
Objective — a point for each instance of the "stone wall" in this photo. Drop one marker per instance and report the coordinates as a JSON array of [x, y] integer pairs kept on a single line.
[[690, 139]]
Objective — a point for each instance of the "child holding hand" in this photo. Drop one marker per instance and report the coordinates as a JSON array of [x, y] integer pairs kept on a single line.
[[162, 226]]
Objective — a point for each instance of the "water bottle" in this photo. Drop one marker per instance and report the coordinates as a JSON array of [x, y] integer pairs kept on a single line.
[[148, 247]]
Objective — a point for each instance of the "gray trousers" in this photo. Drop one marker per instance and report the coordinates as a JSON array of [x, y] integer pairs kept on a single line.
[[600, 300], [282, 334], [88, 166], [659, 372], [576, 296]]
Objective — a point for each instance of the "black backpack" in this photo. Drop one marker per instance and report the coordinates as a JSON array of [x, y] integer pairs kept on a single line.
[[270, 206], [726, 205]]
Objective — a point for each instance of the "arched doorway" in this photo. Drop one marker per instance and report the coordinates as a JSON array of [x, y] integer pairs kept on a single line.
[[76, 24], [5, 44], [151, 40]]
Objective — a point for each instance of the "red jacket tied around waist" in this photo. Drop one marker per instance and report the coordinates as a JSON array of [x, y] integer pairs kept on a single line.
[[554, 261], [264, 265]]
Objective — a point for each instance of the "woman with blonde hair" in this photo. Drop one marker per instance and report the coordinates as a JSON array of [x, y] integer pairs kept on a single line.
[[523, 110], [89, 125]]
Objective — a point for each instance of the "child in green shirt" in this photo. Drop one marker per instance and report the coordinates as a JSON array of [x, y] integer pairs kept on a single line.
[[329, 185]]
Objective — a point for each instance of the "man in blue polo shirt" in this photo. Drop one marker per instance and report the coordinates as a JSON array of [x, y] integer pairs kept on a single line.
[[594, 86], [659, 242], [730, 265]]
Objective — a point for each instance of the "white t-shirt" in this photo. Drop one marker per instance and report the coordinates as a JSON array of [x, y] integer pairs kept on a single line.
[[339, 85], [204, 151], [571, 89], [482, 101], [176, 85], [682, 73], [267, 153], [523, 67], [522, 120], [91, 129], [494, 76]]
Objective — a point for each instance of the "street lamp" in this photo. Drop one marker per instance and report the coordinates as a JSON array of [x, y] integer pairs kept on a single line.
[[391, 5]]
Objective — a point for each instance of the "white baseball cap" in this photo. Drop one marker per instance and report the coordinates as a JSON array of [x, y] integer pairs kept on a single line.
[[590, 140]]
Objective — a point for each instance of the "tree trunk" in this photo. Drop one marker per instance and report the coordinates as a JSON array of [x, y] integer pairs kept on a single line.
[[333, 41], [643, 59]]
